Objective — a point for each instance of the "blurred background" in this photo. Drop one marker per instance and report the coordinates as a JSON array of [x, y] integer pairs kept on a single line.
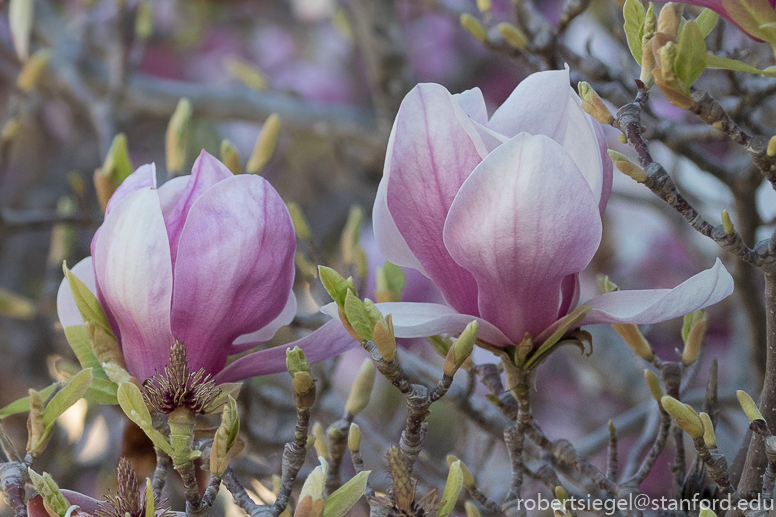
[[335, 73]]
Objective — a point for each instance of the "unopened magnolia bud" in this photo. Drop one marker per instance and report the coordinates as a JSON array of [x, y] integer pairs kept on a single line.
[[468, 479], [593, 105], [461, 349], [310, 442], [229, 157], [709, 438], [33, 69], [361, 389], [650, 23], [513, 35], [483, 5], [321, 443], [301, 227], [354, 438], [177, 137], [265, 145], [707, 512], [684, 416], [20, 17], [301, 378], [648, 62], [115, 169], [471, 509], [473, 25], [247, 74], [144, 20], [654, 385], [695, 325], [10, 130], [384, 339], [727, 223], [631, 334], [627, 167], [560, 493], [669, 19], [749, 407], [772, 147]]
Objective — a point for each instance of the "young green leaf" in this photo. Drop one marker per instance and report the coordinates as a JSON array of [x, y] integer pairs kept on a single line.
[[706, 21], [334, 283], [78, 340], [22, 405], [724, 63], [635, 16], [358, 316], [132, 403], [102, 391], [690, 54], [346, 496], [74, 390], [452, 489], [87, 303]]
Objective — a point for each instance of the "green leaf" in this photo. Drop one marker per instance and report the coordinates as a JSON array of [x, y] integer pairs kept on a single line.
[[49, 491], [346, 496], [452, 489], [102, 391], [635, 16], [335, 285], [687, 325], [74, 390], [87, 303], [724, 63], [690, 54], [706, 21], [358, 316], [22, 405], [79, 341], [132, 403]]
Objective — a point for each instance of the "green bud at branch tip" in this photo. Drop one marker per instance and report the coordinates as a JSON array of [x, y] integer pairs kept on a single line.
[[727, 223], [468, 479], [772, 147], [176, 139], [483, 5], [627, 167], [473, 25], [631, 334], [694, 337], [709, 438], [593, 105], [512, 35], [684, 416], [301, 227], [354, 438], [560, 493], [749, 406], [230, 157], [461, 349], [471, 509], [361, 390], [654, 385], [265, 145]]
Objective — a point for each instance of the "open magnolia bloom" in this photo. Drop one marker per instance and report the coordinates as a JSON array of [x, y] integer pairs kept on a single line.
[[206, 260], [502, 214], [757, 18]]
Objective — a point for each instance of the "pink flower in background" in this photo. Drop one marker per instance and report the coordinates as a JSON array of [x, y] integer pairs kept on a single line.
[[205, 259], [753, 17], [502, 214]]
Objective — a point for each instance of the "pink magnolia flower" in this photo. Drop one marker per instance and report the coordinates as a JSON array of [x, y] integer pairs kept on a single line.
[[754, 17], [206, 259], [503, 213]]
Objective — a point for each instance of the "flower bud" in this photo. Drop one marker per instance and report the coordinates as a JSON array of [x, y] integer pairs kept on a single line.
[[311, 498], [361, 390], [301, 227], [709, 438], [684, 416], [669, 19], [694, 329], [471, 509], [13, 305], [230, 157], [631, 334], [727, 223], [177, 137], [749, 407], [384, 339], [483, 5], [654, 385], [593, 105], [706, 512], [33, 69], [473, 25], [628, 168], [771, 147], [247, 74], [354, 438], [310, 442], [10, 130], [115, 169], [144, 20], [301, 378], [20, 17], [461, 349], [265, 145], [468, 479], [513, 35], [321, 443]]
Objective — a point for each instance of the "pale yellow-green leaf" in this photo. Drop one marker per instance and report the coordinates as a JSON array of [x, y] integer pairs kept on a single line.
[[635, 15], [334, 283], [346, 496], [78, 340], [452, 489], [87, 303], [132, 403], [690, 54], [725, 63], [358, 316], [23, 404], [706, 21], [49, 491], [102, 391], [74, 390]]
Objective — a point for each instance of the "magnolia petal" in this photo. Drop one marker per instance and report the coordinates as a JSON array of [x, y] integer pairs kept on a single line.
[[207, 171], [67, 310], [651, 306], [607, 166], [248, 341], [87, 504], [435, 149], [171, 192], [544, 104], [234, 269], [329, 340], [412, 320], [134, 272], [143, 177], [523, 221], [569, 294], [473, 104]]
